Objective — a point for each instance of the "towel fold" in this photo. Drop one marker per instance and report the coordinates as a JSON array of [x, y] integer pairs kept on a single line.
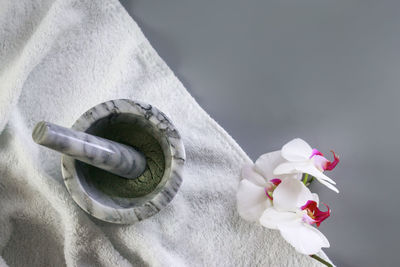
[[58, 59]]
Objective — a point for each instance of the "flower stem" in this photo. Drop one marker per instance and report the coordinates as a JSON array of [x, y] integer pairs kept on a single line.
[[321, 260], [305, 178]]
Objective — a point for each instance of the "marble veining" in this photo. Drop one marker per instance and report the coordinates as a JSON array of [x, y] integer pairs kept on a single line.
[[128, 210], [105, 154]]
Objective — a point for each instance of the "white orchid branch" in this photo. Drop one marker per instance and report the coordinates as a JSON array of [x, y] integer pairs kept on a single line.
[[274, 193]]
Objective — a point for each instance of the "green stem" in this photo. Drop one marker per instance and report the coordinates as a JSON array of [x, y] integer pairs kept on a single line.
[[305, 178], [321, 260]]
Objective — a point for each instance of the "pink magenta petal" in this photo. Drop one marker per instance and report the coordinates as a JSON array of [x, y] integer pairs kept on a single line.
[[276, 181], [315, 152], [269, 189], [315, 213], [331, 165]]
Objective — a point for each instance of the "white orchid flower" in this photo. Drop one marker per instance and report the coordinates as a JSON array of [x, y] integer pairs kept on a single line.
[[293, 209], [299, 157], [255, 190]]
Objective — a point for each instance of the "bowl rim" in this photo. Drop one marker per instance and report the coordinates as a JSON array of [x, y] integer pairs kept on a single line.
[[172, 174]]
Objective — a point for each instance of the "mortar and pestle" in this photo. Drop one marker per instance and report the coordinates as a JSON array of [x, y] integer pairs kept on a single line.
[[122, 162]]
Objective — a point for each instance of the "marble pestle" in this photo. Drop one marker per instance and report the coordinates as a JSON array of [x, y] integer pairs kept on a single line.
[[105, 154]]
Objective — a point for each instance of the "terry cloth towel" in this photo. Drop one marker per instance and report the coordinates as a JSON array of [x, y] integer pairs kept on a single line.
[[58, 59]]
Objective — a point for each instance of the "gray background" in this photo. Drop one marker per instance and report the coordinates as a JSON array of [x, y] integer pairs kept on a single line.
[[326, 71]]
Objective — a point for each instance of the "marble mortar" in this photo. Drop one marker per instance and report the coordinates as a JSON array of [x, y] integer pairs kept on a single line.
[[102, 194]]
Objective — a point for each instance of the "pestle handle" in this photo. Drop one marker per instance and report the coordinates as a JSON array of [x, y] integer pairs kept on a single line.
[[105, 154]]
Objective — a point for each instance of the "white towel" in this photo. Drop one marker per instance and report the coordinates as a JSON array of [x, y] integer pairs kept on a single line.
[[58, 59]]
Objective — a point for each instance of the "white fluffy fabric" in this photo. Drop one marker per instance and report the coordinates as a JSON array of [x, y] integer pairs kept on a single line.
[[58, 59]]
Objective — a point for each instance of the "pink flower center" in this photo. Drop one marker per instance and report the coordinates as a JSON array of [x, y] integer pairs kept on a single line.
[[322, 163], [269, 189], [314, 214]]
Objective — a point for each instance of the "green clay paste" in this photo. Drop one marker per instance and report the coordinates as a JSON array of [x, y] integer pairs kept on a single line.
[[116, 186]]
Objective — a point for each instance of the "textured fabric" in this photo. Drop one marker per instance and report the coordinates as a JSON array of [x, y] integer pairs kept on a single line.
[[58, 59]]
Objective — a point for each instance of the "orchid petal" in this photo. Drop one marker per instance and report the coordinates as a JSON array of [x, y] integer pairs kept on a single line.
[[266, 163], [288, 168], [248, 173], [272, 219], [296, 150], [330, 186], [290, 195], [251, 200], [305, 167], [297, 176], [304, 238], [292, 167], [312, 170]]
